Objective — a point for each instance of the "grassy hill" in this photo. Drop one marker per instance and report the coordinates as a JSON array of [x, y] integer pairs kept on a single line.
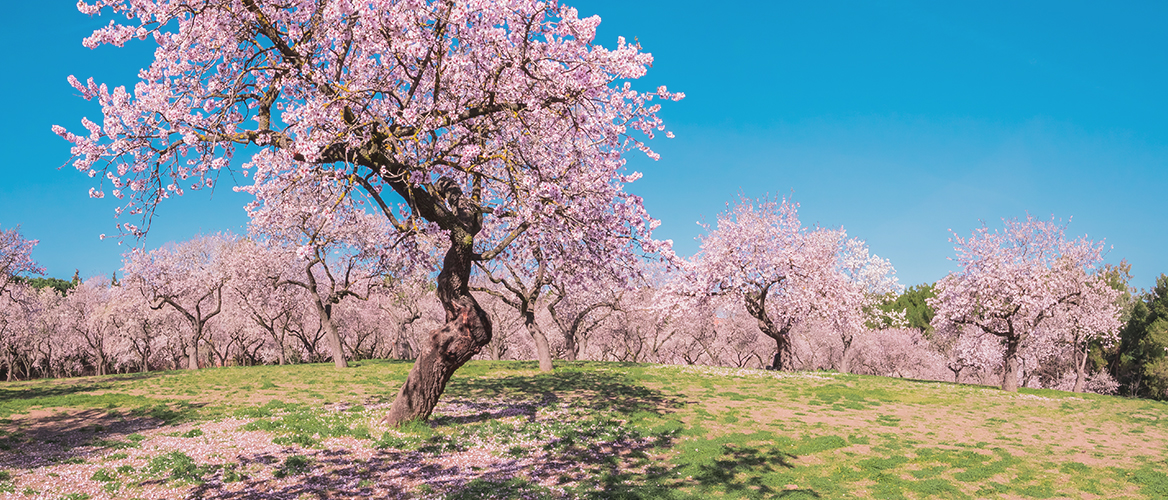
[[589, 430]]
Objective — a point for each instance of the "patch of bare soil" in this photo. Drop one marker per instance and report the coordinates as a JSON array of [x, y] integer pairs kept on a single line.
[[1091, 437]]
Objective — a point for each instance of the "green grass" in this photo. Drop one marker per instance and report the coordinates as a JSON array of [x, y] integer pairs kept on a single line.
[[663, 432], [304, 425], [178, 466]]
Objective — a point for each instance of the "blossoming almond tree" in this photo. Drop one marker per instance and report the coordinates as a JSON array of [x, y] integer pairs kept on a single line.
[[1092, 315], [87, 309], [405, 301], [520, 283], [15, 259], [14, 316], [141, 328], [1012, 281], [443, 113], [579, 306], [342, 250], [540, 261], [785, 273], [256, 271], [869, 278], [187, 276]]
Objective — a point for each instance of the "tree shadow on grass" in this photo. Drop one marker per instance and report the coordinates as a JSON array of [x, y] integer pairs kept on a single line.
[[404, 474], [598, 447], [737, 472], [599, 390], [741, 471], [599, 454], [475, 411], [46, 388], [10, 395], [68, 435]]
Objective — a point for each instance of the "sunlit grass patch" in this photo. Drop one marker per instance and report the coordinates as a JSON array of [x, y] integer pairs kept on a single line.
[[178, 466], [305, 426]]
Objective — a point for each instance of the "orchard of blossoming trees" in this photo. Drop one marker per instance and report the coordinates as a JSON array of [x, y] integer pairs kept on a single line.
[[440, 180], [225, 300]]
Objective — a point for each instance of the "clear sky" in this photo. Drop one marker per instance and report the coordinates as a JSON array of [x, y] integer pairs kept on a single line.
[[895, 120]]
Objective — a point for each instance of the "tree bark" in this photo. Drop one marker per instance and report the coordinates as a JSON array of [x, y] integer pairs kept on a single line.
[[193, 356], [330, 331], [467, 330], [1010, 366], [543, 351], [782, 358], [571, 348], [401, 348], [145, 352]]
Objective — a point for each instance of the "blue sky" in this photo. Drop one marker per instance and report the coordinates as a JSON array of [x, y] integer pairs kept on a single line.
[[897, 121]]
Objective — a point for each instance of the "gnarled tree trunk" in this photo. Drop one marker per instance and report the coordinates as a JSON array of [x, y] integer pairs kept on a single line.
[[467, 330], [756, 307], [782, 358]]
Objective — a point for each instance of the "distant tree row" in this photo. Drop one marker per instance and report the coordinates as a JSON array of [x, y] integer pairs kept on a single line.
[[1027, 308]]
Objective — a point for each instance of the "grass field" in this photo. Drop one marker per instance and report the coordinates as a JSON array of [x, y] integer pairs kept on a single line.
[[589, 430]]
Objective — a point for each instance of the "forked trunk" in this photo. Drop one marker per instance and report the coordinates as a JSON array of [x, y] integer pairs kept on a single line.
[[756, 307], [1010, 368], [782, 358], [1081, 370], [782, 337], [467, 330]]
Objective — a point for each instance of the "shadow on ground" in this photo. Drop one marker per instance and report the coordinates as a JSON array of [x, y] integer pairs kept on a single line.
[[606, 453], [604, 390]]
